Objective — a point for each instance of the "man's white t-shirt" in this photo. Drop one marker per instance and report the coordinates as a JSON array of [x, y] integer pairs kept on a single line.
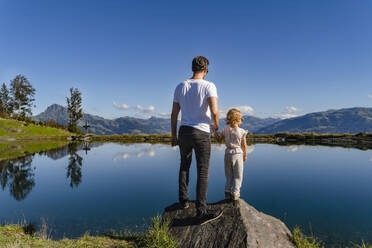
[[192, 95]]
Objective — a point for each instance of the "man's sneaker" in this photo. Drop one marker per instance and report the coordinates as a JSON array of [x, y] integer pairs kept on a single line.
[[209, 216], [184, 205]]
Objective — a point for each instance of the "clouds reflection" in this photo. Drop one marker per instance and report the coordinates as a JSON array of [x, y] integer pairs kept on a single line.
[[292, 148], [148, 151]]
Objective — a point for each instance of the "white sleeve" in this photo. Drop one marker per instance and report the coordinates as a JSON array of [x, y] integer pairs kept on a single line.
[[212, 91], [243, 132]]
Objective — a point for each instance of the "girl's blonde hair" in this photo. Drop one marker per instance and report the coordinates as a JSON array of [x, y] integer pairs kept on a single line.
[[233, 116]]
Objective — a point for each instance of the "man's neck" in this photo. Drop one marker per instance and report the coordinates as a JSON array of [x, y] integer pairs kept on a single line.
[[198, 76]]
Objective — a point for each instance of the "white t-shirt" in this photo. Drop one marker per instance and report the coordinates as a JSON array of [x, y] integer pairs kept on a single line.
[[192, 95], [233, 139]]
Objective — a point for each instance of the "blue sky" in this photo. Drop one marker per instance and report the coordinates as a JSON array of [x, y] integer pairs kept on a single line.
[[277, 58]]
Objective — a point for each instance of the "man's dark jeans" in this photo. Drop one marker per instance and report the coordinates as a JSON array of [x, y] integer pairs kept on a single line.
[[190, 138]]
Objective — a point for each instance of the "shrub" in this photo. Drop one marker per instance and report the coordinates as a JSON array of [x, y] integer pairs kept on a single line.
[[158, 235], [303, 241]]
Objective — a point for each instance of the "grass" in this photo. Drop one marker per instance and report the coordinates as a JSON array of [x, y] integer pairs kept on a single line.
[[363, 245], [157, 236], [20, 129], [14, 236], [303, 241], [9, 150]]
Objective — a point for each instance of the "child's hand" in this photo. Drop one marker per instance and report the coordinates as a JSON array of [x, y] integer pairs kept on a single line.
[[245, 158]]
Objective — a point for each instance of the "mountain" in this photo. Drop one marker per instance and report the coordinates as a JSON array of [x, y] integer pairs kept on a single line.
[[54, 112], [131, 125], [100, 125], [348, 120], [252, 123]]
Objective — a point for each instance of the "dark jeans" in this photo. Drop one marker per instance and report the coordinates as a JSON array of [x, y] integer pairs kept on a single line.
[[190, 138]]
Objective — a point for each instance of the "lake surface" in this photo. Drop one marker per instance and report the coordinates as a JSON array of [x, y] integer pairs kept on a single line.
[[324, 190]]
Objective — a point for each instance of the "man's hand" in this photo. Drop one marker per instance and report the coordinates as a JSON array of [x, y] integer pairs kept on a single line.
[[213, 106], [245, 158], [174, 141]]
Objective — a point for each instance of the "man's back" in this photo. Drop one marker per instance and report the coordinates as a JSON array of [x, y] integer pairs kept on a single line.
[[192, 96]]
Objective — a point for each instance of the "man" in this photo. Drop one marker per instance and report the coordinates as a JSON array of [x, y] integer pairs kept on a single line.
[[197, 100]]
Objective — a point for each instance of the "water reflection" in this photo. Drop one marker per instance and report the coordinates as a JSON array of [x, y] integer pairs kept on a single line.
[[75, 162], [293, 149], [138, 153], [328, 188], [18, 175]]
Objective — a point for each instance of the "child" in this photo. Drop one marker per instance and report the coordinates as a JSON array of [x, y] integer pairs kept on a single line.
[[235, 153]]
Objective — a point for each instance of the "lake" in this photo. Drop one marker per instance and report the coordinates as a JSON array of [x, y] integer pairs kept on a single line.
[[324, 190]]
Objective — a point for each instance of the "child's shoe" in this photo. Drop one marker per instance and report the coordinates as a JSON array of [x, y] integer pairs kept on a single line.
[[235, 197], [227, 196]]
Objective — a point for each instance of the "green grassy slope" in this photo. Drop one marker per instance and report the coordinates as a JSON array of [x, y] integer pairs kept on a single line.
[[19, 129]]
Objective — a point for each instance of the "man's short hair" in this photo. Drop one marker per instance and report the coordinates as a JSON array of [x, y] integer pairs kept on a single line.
[[199, 63]]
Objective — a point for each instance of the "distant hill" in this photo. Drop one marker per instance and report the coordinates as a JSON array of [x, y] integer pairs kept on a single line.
[[100, 125], [252, 123], [131, 125], [348, 120]]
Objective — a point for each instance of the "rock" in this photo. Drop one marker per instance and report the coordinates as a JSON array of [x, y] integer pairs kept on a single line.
[[12, 130], [241, 225]]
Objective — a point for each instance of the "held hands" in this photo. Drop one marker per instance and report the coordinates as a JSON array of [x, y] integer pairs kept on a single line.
[[214, 127]]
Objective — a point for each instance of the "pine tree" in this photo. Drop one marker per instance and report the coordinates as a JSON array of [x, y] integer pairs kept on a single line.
[[22, 95], [5, 102], [75, 111]]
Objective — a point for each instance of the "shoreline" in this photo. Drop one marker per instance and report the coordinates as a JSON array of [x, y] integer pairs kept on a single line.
[[13, 147]]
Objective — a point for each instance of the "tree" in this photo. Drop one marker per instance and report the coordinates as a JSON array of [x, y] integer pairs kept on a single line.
[[75, 111], [22, 95], [5, 101], [75, 162], [18, 174]]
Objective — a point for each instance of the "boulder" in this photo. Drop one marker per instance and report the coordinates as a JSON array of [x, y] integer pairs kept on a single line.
[[240, 225]]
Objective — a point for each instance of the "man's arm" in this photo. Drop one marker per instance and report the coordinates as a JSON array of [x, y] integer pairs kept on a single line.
[[213, 106], [174, 118]]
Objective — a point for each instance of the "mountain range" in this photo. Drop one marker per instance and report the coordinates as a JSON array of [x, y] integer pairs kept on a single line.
[[131, 125], [100, 125], [348, 120]]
